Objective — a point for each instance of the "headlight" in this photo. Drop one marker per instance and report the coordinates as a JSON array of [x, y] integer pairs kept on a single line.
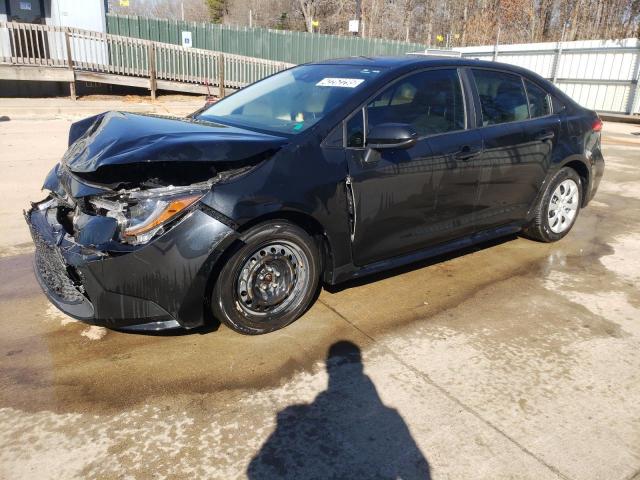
[[143, 214], [148, 216]]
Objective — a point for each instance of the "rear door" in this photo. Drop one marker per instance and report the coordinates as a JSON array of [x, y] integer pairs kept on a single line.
[[407, 199], [516, 149], [542, 132]]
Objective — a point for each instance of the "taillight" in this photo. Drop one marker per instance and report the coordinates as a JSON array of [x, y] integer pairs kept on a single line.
[[597, 125]]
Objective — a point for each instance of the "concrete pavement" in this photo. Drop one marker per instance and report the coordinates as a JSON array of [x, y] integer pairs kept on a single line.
[[65, 108], [514, 360]]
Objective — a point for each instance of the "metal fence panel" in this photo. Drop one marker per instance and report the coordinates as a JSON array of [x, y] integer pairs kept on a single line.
[[280, 45], [602, 75]]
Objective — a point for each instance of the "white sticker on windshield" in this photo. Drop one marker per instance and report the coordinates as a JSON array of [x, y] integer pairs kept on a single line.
[[340, 82]]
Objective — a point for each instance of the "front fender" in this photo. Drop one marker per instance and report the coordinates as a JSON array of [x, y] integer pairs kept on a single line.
[[174, 270], [306, 183]]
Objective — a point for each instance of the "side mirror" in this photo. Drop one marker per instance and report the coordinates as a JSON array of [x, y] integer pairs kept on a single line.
[[391, 135]]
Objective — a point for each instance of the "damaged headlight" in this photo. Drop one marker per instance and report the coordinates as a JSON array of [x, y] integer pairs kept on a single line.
[[142, 214]]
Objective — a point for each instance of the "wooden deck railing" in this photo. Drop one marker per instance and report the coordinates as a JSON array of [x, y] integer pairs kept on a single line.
[[91, 54]]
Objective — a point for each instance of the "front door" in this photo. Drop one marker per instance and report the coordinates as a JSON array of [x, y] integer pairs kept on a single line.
[[408, 199]]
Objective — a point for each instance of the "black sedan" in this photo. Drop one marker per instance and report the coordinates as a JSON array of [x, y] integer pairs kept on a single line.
[[321, 173]]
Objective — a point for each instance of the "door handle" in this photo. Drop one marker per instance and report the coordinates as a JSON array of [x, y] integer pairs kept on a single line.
[[544, 135], [467, 152]]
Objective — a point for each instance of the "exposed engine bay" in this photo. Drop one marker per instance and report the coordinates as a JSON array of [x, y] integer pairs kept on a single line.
[[127, 178]]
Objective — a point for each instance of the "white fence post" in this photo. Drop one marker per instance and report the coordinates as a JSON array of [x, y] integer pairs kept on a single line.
[[556, 62], [72, 85], [634, 100]]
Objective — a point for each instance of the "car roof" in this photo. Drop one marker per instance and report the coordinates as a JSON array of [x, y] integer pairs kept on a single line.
[[417, 61], [397, 65]]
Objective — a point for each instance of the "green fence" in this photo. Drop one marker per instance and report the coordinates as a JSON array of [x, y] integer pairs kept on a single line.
[[281, 45]]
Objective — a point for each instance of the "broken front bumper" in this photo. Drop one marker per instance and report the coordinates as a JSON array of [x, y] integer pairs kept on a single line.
[[161, 284]]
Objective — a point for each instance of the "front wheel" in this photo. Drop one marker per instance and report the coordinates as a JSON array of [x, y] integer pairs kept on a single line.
[[269, 281], [558, 209]]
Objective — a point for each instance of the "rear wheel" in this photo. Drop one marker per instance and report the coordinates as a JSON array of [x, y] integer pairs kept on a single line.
[[558, 208], [269, 281]]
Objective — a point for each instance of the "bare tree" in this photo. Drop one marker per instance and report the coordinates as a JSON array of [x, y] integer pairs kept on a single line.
[[217, 9], [437, 23], [307, 7], [194, 10]]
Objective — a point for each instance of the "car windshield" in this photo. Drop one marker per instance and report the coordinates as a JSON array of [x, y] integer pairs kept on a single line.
[[293, 100]]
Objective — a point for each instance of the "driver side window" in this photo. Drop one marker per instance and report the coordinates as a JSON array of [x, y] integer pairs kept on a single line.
[[430, 101]]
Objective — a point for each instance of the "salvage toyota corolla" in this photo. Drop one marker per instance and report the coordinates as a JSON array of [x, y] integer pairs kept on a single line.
[[323, 172]]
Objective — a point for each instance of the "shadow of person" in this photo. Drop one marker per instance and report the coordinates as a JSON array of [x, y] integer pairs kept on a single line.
[[346, 432]]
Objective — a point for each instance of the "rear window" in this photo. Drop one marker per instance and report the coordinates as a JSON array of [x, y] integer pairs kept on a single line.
[[558, 105], [539, 101], [502, 97]]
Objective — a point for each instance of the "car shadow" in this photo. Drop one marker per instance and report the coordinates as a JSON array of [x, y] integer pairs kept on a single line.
[[346, 432]]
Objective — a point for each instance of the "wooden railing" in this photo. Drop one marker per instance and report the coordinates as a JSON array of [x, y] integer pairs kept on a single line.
[[90, 54]]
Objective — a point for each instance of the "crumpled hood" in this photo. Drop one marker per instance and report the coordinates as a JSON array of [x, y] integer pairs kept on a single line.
[[119, 138]]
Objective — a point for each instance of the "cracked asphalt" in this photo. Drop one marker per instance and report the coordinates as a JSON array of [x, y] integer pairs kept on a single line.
[[511, 360]]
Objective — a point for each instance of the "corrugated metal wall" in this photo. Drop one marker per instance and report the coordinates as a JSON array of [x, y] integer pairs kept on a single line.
[[282, 45], [599, 74], [602, 75]]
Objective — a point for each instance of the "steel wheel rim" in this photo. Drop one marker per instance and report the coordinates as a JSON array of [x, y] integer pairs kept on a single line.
[[271, 279], [563, 206]]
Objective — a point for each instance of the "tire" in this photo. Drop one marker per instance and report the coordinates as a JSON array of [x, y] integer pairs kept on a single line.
[[269, 280], [550, 222]]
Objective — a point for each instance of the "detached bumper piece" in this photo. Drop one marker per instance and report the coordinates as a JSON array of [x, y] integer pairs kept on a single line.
[[156, 286]]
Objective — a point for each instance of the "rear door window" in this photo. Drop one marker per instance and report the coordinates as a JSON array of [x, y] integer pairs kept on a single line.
[[502, 97], [539, 104]]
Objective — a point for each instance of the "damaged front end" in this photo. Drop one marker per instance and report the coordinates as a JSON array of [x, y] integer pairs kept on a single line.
[[57, 259], [102, 273], [125, 246]]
